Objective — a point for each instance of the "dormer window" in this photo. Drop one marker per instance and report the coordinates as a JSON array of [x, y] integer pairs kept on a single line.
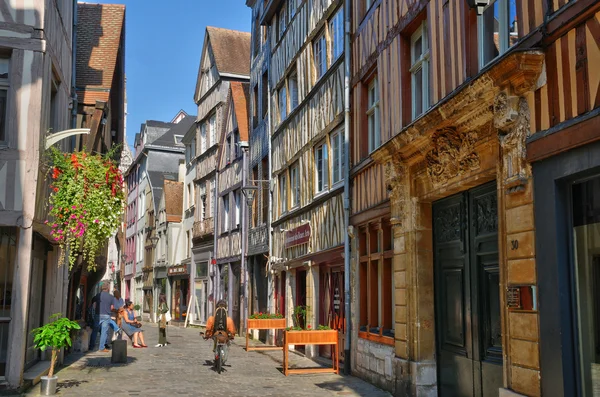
[[178, 139]]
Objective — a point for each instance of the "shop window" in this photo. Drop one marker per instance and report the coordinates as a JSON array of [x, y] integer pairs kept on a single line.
[[586, 274], [376, 300], [498, 30]]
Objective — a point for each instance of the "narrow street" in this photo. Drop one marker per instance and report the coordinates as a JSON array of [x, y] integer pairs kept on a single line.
[[184, 368]]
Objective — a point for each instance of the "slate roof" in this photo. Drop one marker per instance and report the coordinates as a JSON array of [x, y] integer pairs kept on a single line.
[[173, 200], [240, 94], [100, 29], [155, 130], [231, 50], [168, 137]]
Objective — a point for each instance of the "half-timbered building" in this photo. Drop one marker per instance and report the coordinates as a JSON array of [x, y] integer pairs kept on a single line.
[[225, 59], [452, 101], [306, 85], [261, 292], [231, 173]]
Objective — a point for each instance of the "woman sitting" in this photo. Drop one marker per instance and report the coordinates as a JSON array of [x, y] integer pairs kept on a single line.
[[132, 327]]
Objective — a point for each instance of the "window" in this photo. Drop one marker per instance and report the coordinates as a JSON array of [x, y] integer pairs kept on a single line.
[[282, 22], [188, 154], [282, 104], [256, 36], [237, 196], [225, 213], [265, 190], [4, 70], [373, 115], [322, 168], [320, 55], [203, 203], [293, 87], [193, 149], [236, 144], [254, 220], [212, 122], [255, 106], [292, 8], [211, 199], [190, 195], [227, 150], [336, 31], [283, 201], [203, 138], [376, 299], [337, 156], [498, 30], [265, 94], [295, 185], [419, 70], [178, 139]]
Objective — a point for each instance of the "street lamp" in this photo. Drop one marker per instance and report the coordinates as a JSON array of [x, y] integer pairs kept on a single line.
[[154, 241], [249, 192]]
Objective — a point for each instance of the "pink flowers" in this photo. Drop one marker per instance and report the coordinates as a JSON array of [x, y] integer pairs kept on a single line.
[[96, 221]]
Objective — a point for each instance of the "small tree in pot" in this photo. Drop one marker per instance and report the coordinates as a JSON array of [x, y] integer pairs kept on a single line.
[[54, 335]]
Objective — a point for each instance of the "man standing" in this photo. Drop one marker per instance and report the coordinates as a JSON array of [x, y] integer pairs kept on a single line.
[[105, 307]]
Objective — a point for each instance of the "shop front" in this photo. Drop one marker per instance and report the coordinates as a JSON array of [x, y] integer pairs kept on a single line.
[[201, 296], [179, 279], [567, 196]]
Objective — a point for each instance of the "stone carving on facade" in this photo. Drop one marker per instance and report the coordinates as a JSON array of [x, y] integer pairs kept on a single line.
[[512, 118], [453, 154], [396, 173]]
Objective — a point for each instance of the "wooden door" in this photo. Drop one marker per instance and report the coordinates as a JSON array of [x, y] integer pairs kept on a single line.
[[235, 274], [467, 293]]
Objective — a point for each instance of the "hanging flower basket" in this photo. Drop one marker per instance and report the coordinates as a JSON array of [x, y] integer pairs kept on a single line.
[[86, 202]]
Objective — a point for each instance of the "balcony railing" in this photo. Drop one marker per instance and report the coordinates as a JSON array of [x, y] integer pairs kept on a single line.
[[203, 228]]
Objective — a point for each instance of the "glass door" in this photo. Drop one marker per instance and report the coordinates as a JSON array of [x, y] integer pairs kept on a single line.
[[586, 269]]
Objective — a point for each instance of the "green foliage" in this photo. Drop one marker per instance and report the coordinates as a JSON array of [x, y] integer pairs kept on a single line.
[[86, 203], [323, 327], [265, 316], [137, 307], [56, 334], [299, 315]]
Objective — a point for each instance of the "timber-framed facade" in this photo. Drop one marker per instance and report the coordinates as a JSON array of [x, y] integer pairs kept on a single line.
[[306, 84], [445, 99]]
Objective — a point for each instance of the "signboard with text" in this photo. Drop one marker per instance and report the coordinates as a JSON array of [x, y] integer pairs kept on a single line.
[[178, 270], [297, 236]]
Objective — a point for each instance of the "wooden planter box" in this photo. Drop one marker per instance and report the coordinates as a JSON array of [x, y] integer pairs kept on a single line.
[[271, 323], [325, 337]]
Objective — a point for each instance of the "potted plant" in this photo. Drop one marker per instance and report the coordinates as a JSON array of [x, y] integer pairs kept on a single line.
[[137, 308], [54, 335]]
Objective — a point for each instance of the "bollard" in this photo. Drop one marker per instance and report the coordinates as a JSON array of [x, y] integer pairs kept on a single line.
[[119, 352]]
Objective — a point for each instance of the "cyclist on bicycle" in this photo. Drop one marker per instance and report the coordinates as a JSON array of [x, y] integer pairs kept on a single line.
[[220, 326]]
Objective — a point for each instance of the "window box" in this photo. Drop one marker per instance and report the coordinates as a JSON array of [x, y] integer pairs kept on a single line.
[[264, 323]]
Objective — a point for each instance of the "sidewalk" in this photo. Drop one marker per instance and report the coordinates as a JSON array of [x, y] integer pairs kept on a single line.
[[185, 367]]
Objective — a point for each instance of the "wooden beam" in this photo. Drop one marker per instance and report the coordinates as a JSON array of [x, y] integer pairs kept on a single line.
[[565, 136]]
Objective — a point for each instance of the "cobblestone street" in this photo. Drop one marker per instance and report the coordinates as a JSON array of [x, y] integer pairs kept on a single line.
[[184, 368]]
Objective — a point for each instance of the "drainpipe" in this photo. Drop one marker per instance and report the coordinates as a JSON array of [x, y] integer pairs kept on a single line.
[[244, 236], [73, 72], [347, 4]]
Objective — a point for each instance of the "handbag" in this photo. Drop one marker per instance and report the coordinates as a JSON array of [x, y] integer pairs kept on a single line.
[[168, 317], [137, 325]]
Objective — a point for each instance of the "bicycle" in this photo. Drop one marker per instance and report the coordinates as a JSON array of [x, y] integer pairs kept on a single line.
[[221, 339]]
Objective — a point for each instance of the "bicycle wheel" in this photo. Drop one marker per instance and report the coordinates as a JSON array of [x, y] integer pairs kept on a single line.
[[219, 359]]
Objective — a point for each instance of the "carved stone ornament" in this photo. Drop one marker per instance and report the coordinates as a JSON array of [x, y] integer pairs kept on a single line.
[[396, 173], [512, 118], [453, 154]]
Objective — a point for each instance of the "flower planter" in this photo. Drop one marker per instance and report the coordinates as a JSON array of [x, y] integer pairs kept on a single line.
[[264, 323], [319, 337]]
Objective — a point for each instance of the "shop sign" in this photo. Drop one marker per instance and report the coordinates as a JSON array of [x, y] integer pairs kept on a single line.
[[297, 236], [178, 270]]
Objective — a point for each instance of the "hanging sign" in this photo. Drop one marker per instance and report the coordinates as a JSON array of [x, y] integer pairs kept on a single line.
[[297, 236]]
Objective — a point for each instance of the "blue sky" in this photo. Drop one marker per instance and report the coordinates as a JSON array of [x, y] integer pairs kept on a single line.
[[163, 45]]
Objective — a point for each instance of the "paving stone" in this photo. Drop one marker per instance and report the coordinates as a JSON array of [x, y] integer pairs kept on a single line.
[[185, 368]]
